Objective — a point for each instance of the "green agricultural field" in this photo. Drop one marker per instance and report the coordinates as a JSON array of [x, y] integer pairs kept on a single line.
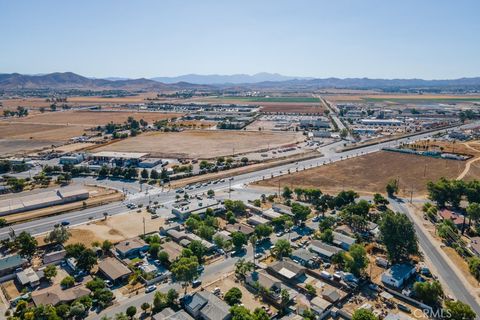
[[274, 99]]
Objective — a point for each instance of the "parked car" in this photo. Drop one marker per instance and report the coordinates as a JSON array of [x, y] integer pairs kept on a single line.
[[150, 289], [404, 308], [196, 283]]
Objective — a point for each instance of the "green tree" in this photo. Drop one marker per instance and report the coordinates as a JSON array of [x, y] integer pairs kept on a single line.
[[287, 193], [131, 311], [242, 267], [363, 314], [239, 240], [172, 296], [185, 269], [300, 212], [458, 310], [357, 259], [144, 174], [474, 267], [233, 296], [67, 282], [27, 245], [86, 260], [164, 258], [282, 249], [210, 193], [58, 235], [263, 231], [428, 292], [50, 272], [145, 306], [198, 249], [327, 236], [311, 289], [398, 235], [473, 212], [392, 188]]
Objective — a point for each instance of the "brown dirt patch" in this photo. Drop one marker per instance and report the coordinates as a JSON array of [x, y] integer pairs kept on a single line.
[[94, 118], [370, 173], [203, 144]]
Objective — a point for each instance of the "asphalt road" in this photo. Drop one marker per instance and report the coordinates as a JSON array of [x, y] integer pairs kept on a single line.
[[446, 273]]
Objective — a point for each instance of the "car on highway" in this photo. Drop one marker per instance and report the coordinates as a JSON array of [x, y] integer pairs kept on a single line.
[[65, 223], [150, 289]]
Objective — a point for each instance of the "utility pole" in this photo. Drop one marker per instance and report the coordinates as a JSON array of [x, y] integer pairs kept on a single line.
[[144, 227]]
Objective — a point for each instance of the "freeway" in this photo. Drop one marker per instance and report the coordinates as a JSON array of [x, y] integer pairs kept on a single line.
[[445, 271], [162, 196]]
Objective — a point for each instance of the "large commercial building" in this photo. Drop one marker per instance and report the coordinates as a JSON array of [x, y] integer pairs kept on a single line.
[[42, 200]]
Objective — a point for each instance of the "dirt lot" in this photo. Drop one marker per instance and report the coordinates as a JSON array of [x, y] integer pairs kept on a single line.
[[202, 144], [370, 173], [73, 101], [42, 130], [115, 228], [94, 118], [248, 298]]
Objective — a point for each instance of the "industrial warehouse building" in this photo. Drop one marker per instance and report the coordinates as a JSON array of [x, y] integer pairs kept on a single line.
[[42, 200]]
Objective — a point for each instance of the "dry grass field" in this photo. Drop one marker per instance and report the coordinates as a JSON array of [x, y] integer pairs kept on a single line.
[[74, 101], [370, 173], [202, 144], [41, 130], [93, 118]]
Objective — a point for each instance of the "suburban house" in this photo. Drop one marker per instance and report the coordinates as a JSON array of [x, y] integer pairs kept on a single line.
[[169, 314], [255, 220], [257, 279], [287, 270], [331, 294], [173, 249], [29, 277], [282, 209], [240, 227], [342, 240], [320, 305], [398, 274], [305, 258], [271, 214], [324, 250], [457, 219], [56, 295], [131, 247], [55, 257], [114, 270], [206, 306], [224, 235], [171, 226], [9, 264]]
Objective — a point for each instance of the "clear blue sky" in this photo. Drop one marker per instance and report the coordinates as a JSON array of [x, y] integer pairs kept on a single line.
[[341, 38]]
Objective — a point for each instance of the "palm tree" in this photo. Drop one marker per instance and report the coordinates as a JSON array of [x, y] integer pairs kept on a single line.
[[242, 267], [253, 241]]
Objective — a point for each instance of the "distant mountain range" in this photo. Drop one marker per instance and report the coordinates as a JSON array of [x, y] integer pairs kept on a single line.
[[69, 80], [216, 79]]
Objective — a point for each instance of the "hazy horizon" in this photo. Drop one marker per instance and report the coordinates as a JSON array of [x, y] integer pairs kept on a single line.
[[319, 39]]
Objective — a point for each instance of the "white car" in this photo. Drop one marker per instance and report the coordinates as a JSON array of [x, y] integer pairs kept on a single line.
[[150, 289]]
